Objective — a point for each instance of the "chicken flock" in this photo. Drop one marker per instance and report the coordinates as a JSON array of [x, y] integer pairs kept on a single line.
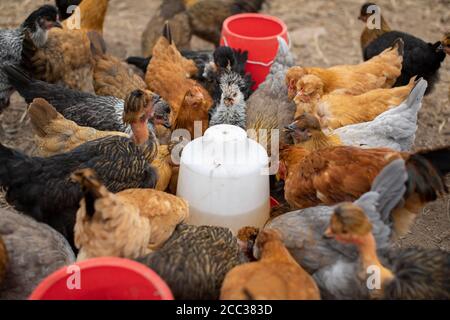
[[103, 182]]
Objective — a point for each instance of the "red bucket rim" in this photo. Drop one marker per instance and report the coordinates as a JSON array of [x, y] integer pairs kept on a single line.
[[147, 273], [254, 15]]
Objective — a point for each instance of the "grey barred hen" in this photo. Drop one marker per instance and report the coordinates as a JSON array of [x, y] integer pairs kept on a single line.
[[195, 260], [333, 265], [41, 187], [34, 251], [269, 108], [36, 25], [98, 112]]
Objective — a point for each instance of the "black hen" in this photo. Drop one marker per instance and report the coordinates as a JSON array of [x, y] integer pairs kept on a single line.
[[41, 187], [98, 112], [420, 58]]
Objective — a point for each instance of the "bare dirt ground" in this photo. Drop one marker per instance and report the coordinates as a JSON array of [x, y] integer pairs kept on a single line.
[[324, 33]]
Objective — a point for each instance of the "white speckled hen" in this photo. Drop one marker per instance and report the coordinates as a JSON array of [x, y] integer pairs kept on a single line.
[[232, 108]]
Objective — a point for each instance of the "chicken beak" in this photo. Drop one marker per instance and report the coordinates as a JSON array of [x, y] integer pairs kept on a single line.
[[328, 234], [278, 177], [166, 124], [290, 128], [57, 24], [228, 102]]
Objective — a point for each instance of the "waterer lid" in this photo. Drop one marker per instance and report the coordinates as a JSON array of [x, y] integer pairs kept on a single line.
[[224, 151]]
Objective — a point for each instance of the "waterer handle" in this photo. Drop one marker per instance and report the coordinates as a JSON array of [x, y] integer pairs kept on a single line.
[[264, 64]]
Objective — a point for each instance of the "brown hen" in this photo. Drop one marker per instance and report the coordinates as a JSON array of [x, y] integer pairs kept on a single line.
[[89, 16], [55, 134], [113, 77], [276, 276], [338, 110], [168, 74], [379, 72], [66, 58], [127, 224], [173, 11], [336, 174]]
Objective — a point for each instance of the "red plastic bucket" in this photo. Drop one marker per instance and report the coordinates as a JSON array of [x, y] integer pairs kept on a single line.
[[257, 34], [103, 279]]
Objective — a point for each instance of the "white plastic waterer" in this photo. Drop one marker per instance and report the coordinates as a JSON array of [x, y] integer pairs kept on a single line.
[[222, 177]]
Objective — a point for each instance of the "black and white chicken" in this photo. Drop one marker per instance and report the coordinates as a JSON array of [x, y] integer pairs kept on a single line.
[[36, 26]]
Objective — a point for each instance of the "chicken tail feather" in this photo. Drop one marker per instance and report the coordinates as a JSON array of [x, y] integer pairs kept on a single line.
[[426, 173], [390, 185], [92, 188], [41, 114], [19, 79], [417, 93], [98, 44], [140, 62], [399, 44], [167, 33]]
